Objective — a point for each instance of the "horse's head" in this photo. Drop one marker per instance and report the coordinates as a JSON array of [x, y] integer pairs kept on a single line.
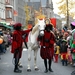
[[41, 26]]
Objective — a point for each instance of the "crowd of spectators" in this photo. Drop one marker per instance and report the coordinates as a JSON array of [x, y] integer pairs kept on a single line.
[[6, 40], [62, 47]]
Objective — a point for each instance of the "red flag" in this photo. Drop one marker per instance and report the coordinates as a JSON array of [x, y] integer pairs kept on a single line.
[[53, 21]]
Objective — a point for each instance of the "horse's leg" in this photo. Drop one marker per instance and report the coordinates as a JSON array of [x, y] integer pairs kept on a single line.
[[35, 60], [29, 59]]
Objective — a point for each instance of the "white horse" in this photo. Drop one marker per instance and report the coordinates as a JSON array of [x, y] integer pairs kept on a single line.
[[33, 43]]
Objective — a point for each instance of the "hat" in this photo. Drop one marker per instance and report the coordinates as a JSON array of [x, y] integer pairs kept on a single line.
[[73, 23], [17, 25]]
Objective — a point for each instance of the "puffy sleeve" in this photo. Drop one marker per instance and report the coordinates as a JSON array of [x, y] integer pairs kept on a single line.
[[26, 31]]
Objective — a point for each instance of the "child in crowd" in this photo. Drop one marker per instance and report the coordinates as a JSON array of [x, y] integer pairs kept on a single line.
[[56, 53], [63, 52]]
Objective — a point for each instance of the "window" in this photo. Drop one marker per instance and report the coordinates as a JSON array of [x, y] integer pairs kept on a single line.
[[3, 1], [9, 14], [4, 14], [11, 2], [8, 1], [0, 13]]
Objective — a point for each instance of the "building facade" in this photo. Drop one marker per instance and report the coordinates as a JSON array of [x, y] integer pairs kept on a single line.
[[19, 8], [34, 7], [48, 9], [15, 10], [2, 10], [9, 10]]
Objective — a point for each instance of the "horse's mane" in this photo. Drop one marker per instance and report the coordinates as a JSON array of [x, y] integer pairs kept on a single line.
[[34, 29]]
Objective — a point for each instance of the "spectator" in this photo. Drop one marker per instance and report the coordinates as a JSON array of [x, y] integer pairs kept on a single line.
[[56, 53], [63, 52]]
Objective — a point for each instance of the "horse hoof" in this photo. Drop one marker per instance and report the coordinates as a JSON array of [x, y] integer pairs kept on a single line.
[[28, 70], [20, 66], [36, 69]]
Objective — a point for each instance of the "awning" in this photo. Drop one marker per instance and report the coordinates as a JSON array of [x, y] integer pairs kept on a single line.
[[7, 26]]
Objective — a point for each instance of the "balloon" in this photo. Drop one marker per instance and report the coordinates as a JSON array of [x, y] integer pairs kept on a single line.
[[1, 40]]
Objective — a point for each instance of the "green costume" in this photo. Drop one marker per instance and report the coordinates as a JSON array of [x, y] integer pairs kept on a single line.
[[72, 44]]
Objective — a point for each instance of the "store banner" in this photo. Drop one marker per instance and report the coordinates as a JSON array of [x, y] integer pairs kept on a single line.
[[15, 13]]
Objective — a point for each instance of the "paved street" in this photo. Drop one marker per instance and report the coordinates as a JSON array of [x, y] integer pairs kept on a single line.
[[6, 66]]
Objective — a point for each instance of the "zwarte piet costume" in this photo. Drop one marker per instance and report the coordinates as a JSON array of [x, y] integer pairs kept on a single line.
[[17, 41], [47, 46]]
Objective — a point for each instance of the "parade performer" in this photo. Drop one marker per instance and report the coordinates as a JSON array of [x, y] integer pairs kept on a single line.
[[47, 46], [72, 45], [17, 41]]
